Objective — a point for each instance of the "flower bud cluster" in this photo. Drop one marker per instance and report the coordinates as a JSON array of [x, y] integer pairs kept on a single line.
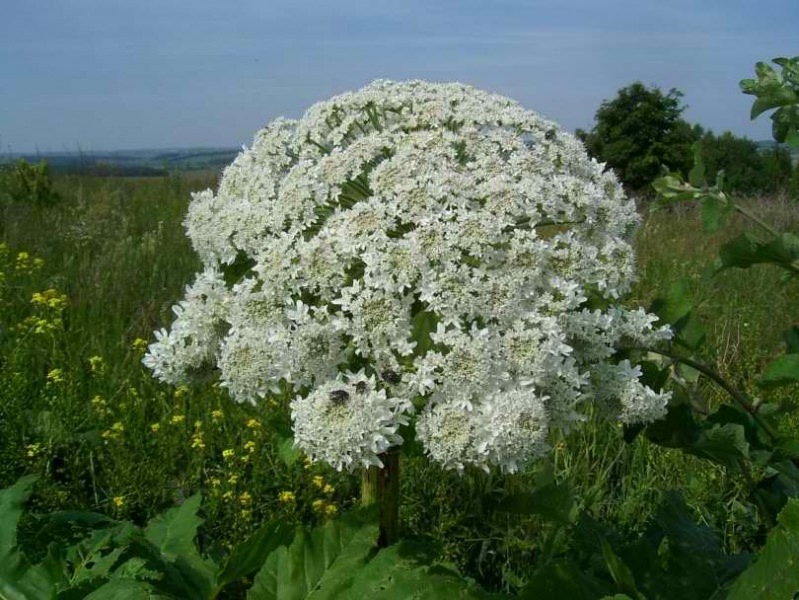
[[416, 254]]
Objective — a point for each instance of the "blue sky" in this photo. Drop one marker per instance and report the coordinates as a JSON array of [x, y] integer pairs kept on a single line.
[[115, 74]]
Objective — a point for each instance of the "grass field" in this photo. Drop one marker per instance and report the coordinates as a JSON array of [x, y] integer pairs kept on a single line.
[[77, 407]]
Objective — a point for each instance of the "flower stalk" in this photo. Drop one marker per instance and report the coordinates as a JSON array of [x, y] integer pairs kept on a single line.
[[381, 487]]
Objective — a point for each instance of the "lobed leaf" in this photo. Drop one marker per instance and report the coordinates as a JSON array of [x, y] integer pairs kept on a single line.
[[173, 533], [774, 575], [250, 555], [782, 371], [317, 564]]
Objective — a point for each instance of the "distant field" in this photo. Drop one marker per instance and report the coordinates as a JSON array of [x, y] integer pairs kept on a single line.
[[159, 162], [133, 163]]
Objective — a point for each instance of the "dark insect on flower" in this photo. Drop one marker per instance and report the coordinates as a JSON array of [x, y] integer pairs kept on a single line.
[[550, 135], [390, 376], [361, 387], [339, 397]]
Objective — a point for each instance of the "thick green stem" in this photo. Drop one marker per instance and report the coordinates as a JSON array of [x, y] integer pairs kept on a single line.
[[739, 397], [751, 216], [381, 487]]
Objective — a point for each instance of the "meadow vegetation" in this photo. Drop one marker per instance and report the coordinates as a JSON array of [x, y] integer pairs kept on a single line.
[[139, 489], [85, 281]]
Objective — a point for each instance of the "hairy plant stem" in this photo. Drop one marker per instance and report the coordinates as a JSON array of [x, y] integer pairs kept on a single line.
[[738, 396], [381, 487], [752, 217]]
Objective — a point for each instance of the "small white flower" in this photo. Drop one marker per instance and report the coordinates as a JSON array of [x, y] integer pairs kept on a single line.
[[347, 422]]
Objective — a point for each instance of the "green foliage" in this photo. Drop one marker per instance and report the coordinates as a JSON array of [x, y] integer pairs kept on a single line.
[[116, 559], [774, 575], [28, 183], [747, 168], [91, 556], [317, 564], [639, 131], [778, 91]]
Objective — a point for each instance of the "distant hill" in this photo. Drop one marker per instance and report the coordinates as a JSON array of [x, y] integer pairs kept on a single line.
[[133, 162]]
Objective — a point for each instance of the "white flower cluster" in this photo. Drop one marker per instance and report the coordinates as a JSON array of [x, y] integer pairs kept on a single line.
[[417, 253]]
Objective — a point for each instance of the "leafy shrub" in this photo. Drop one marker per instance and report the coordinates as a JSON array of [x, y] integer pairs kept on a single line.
[[639, 131], [29, 183]]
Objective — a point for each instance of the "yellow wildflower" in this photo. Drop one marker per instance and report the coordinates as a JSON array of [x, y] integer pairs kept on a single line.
[[328, 489], [119, 501], [154, 427], [98, 403], [228, 495], [33, 450], [50, 299], [331, 510], [176, 419], [319, 505], [215, 482], [114, 432], [228, 453], [249, 446], [246, 514], [319, 481], [216, 415], [24, 263], [139, 345], [181, 392], [96, 364], [233, 479], [197, 440], [287, 497], [254, 424], [55, 376], [245, 498]]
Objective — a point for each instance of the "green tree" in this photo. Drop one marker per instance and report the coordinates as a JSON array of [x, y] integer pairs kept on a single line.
[[638, 132], [778, 167], [743, 165]]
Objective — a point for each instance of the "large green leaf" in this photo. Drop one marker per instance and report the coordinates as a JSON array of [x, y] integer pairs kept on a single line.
[[619, 571], [746, 250], [563, 579], [320, 563], [250, 555], [678, 429], [679, 558], [675, 304], [774, 574], [125, 589], [403, 571], [18, 579], [173, 533], [725, 444], [713, 210], [782, 371], [676, 308]]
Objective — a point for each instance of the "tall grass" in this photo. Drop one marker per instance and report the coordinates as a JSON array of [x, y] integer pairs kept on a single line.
[[108, 437]]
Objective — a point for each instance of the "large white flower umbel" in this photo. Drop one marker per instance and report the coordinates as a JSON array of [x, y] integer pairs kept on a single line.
[[416, 254]]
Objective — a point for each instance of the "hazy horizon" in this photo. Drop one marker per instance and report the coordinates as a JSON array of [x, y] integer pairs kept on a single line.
[[85, 75]]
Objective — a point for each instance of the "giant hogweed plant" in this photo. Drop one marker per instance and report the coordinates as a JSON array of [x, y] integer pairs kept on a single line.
[[416, 259]]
